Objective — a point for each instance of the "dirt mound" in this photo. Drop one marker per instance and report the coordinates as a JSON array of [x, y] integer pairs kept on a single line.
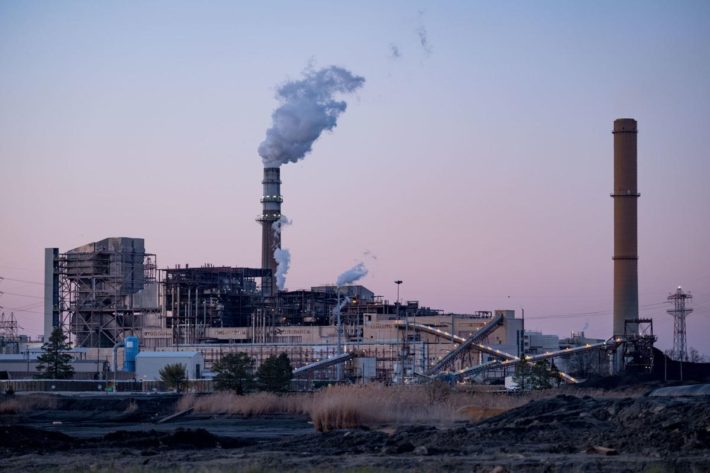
[[178, 439], [336, 442], [26, 438], [570, 424], [564, 425]]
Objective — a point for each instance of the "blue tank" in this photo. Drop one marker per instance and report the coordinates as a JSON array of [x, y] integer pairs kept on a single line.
[[131, 349]]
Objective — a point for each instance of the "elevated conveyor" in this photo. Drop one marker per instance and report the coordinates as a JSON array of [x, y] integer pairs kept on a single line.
[[610, 344], [481, 333], [324, 363], [460, 340]]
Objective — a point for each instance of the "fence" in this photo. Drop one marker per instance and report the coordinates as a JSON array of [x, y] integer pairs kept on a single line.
[[70, 385]]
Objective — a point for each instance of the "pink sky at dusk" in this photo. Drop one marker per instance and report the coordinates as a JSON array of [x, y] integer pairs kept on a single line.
[[475, 167]]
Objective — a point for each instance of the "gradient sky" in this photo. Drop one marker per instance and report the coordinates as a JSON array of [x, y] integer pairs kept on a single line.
[[476, 167]]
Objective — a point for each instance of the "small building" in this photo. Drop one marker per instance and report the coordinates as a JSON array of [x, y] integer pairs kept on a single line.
[[149, 363]]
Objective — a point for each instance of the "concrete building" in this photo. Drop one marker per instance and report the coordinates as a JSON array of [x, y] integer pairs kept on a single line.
[[537, 343], [149, 364]]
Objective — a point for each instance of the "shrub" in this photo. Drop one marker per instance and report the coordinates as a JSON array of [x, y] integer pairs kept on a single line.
[[174, 376], [275, 374], [235, 372]]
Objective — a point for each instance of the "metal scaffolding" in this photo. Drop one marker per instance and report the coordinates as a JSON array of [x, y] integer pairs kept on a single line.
[[679, 312], [215, 296], [102, 291]]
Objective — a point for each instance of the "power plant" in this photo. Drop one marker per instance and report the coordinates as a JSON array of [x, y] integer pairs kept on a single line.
[[104, 292]]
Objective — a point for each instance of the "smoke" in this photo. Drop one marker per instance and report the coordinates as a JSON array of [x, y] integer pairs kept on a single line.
[[340, 305], [351, 275], [282, 257], [307, 109], [283, 260], [278, 225], [369, 254], [423, 35]]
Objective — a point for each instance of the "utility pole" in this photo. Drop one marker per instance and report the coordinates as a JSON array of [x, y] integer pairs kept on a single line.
[[522, 351], [339, 348], [405, 345]]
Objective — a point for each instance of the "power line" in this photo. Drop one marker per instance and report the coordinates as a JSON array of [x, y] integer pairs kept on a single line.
[[596, 313], [21, 295], [24, 281]]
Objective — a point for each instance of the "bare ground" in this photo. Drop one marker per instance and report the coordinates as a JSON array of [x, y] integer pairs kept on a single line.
[[562, 433]]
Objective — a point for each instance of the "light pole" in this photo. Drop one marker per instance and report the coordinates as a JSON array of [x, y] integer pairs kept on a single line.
[[405, 337]]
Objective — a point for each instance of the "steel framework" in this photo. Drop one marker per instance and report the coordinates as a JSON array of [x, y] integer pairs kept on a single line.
[[638, 346], [679, 312], [99, 289]]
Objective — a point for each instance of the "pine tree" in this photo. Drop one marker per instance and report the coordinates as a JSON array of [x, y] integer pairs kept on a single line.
[[55, 362], [174, 376], [235, 372], [275, 374]]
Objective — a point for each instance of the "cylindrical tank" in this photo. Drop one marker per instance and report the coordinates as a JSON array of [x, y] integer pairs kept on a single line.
[[626, 299], [131, 349]]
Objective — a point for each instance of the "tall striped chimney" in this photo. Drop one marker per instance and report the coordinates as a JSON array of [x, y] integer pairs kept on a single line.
[[271, 212], [626, 297]]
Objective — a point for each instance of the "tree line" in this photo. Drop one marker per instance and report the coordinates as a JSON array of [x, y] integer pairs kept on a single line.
[[235, 372]]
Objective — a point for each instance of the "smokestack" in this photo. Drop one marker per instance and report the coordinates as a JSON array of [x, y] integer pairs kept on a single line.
[[626, 293], [271, 201]]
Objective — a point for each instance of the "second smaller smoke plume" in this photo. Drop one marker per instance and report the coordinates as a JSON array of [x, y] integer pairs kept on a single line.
[[278, 225], [352, 275], [283, 260], [282, 257]]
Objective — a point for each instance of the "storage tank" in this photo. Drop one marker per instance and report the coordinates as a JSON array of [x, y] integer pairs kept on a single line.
[[131, 349]]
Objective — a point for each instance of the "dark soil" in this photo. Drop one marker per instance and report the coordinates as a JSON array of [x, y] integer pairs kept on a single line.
[[560, 434]]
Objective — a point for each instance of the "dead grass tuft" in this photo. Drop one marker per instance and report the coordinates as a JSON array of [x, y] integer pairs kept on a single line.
[[350, 406], [19, 404]]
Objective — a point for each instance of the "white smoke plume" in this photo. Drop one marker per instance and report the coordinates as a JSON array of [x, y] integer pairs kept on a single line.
[[283, 260], [340, 305], [307, 109], [282, 257], [278, 225], [352, 275]]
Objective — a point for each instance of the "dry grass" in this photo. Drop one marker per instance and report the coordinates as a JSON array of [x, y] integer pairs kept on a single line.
[[349, 406], [131, 408], [19, 404]]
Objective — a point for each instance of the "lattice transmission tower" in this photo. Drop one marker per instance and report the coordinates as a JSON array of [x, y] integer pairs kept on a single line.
[[679, 312]]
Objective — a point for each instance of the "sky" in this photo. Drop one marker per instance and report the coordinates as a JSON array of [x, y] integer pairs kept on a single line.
[[474, 164]]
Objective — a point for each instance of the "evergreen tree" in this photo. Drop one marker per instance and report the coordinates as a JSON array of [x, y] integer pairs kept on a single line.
[[533, 376], [235, 372], [174, 376], [275, 374], [55, 362]]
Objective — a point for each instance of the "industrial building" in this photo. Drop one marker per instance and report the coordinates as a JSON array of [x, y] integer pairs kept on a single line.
[[105, 291], [101, 292], [149, 364]]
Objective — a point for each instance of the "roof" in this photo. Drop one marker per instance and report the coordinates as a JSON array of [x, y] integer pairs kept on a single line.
[[168, 354]]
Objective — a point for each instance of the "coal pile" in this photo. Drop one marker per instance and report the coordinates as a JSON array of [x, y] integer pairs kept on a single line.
[[185, 439], [567, 424], [20, 438]]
